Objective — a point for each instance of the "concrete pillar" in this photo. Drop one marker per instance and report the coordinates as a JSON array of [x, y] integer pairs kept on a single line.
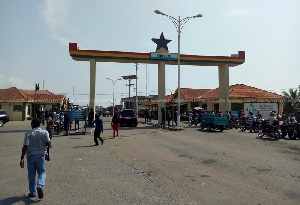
[[189, 106], [224, 88], [92, 84], [280, 108], [24, 111], [210, 106], [161, 89]]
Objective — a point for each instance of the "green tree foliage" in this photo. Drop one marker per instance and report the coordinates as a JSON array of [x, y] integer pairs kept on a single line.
[[292, 102]]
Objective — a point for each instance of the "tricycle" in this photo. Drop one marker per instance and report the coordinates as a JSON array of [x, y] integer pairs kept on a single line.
[[211, 121]]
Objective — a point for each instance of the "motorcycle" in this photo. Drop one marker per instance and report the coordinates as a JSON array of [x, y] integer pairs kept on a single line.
[[255, 126], [194, 120], [245, 125], [270, 131]]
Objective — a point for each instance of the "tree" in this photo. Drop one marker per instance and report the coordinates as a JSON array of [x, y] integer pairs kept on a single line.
[[292, 102]]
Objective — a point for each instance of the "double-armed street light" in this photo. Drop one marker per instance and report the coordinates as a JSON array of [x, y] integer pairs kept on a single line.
[[178, 23], [114, 82]]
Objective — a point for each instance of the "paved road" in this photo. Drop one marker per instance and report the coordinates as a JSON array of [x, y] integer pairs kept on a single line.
[[148, 165]]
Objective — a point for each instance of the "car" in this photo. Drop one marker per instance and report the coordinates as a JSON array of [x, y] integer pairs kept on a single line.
[[4, 117], [128, 117]]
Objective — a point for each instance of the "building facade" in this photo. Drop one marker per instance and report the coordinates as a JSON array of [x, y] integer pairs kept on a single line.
[[24, 104]]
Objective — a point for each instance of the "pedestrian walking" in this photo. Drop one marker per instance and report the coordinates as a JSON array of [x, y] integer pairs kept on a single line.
[[98, 130], [76, 123], [91, 117], [168, 115], [163, 113], [175, 117], [115, 125], [66, 124], [35, 146], [146, 115], [49, 126], [42, 117], [190, 116], [47, 115]]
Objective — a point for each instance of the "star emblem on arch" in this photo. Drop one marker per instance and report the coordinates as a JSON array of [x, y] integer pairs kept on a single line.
[[161, 42]]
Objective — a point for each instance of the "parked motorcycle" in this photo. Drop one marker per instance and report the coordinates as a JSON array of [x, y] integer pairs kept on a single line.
[[270, 131], [194, 121]]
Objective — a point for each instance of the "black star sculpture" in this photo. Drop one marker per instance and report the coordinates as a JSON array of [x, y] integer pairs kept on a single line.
[[161, 42]]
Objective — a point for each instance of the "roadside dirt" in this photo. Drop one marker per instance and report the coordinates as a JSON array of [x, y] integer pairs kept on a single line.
[[202, 167]]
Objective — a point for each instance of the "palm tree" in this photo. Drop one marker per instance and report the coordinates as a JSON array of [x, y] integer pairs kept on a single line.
[[292, 101]]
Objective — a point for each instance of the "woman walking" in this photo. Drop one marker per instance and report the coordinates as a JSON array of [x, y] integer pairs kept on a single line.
[[115, 125]]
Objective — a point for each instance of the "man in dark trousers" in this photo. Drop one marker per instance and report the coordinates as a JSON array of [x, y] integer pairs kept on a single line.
[[67, 124], [98, 130], [115, 125], [163, 113], [91, 117], [35, 146]]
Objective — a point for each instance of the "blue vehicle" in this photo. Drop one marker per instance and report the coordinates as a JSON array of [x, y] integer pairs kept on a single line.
[[211, 121]]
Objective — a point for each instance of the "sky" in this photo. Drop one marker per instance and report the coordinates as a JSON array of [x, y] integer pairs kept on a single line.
[[35, 36]]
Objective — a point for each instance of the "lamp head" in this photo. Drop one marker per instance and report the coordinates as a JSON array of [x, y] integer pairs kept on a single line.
[[159, 12], [197, 16]]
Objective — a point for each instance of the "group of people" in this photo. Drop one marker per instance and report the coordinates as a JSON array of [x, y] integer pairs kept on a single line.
[[148, 114], [169, 115], [60, 120]]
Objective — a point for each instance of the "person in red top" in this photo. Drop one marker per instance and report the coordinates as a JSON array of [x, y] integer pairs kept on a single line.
[[242, 115], [115, 124]]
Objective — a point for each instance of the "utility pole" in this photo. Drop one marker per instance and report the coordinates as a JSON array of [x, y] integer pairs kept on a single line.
[[129, 78], [129, 85], [146, 80], [136, 96]]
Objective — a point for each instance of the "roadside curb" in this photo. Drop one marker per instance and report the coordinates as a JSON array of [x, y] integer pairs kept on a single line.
[[90, 131], [163, 126]]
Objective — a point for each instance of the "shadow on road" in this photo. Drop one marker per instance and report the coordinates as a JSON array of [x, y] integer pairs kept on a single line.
[[266, 139], [139, 128], [14, 131], [84, 146], [16, 199]]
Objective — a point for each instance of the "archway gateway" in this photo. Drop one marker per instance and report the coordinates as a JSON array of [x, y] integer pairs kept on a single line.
[[161, 59]]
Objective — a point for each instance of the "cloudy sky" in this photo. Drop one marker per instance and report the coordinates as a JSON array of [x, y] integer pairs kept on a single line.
[[34, 38]]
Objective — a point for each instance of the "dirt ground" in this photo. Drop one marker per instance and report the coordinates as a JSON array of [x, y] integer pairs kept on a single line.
[[203, 167], [150, 165]]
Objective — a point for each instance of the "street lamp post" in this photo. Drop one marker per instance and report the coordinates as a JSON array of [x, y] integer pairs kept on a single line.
[[113, 82], [178, 23]]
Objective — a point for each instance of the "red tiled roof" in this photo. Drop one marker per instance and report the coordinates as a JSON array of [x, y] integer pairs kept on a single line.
[[14, 94], [190, 93], [155, 101], [169, 98], [243, 91], [43, 92]]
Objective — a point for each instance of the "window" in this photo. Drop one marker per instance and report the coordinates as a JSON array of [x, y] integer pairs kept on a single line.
[[216, 106], [0, 106], [17, 108], [28, 110], [237, 106]]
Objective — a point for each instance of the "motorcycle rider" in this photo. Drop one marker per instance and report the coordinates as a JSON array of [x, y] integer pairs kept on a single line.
[[292, 119], [194, 120], [272, 118], [252, 120], [251, 117], [191, 116], [242, 118]]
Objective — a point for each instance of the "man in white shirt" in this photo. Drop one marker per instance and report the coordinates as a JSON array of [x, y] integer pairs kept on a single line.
[[35, 146]]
